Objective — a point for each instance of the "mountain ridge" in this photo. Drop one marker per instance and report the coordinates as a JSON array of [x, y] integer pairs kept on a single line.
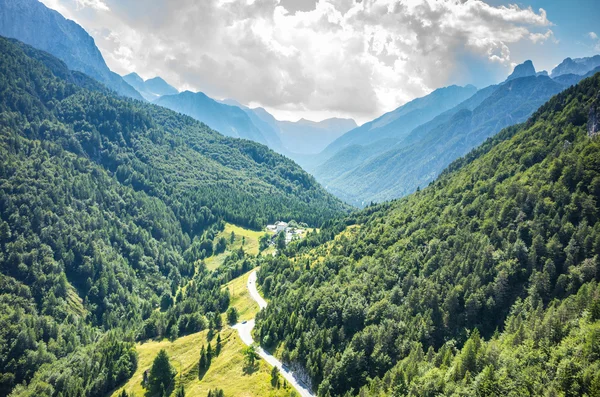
[[446, 95], [427, 152], [375, 171], [228, 120], [41, 27], [150, 89]]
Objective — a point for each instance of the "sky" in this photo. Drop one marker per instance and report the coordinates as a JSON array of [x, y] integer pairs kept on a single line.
[[316, 59]]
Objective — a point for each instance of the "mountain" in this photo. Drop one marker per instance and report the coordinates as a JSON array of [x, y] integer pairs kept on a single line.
[[485, 283], [228, 120], [35, 24], [296, 139], [134, 80], [396, 124], [425, 152], [570, 79], [577, 66], [525, 69], [108, 208], [269, 130], [311, 137], [351, 157], [160, 87], [150, 89], [389, 169]]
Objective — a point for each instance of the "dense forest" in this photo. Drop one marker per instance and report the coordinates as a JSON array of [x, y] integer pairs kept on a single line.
[[107, 208], [485, 283]]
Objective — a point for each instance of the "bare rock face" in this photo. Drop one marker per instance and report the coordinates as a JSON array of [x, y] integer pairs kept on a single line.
[[594, 119], [525, 69]]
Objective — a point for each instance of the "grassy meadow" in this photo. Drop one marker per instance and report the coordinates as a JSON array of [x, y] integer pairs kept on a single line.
[[227, 370]]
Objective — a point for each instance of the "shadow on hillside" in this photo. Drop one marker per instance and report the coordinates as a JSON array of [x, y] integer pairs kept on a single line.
[[249, 369]]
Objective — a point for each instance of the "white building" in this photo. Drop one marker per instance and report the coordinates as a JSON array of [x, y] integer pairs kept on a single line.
[[281, 227]]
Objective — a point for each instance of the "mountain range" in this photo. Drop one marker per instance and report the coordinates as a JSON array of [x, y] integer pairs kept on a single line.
[[150, 89], [306, 137], [35, 24], [577, 66], [228, 120], [293, 139], [382, 159], [364, 166]]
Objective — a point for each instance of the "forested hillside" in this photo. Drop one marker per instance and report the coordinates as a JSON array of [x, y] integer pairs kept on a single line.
[[485, 283], [107, 208]]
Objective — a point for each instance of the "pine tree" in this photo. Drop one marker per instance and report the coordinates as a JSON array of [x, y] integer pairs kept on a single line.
[[161, 374], [232, 315], [251, 355], [275, 377], [209, 354], [202, 363], [218, 349], [218, 322], [216, 393]]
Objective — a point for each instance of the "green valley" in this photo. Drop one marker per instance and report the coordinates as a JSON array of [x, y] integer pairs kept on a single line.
[[160, 238], [107, 206]]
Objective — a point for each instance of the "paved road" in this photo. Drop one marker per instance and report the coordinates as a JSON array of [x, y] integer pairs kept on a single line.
[[245, 331]]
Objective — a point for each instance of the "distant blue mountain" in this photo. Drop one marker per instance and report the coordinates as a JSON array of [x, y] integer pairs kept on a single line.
[[296, 139], [525, 69], [396, 124], [150, 89], [304, 137], [35, 24], [387, 169], [228, 120], [577, 66]]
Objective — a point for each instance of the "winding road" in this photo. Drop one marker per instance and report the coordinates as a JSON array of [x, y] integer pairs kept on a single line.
[[245, 332]]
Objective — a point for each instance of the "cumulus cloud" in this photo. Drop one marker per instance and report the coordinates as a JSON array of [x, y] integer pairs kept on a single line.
[[346, 57], [542, 37]]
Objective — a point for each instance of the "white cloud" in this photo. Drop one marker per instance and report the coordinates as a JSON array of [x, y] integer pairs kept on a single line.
[[345, 57], [95, 4], [542, 37], [595, 40]]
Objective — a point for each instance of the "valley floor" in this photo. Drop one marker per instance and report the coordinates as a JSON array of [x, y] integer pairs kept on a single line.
[[227, 370], [245, 332]]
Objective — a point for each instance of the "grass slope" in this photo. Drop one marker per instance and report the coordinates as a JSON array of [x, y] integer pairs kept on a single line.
[[241, 299], [244, 238], [226, 371]]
